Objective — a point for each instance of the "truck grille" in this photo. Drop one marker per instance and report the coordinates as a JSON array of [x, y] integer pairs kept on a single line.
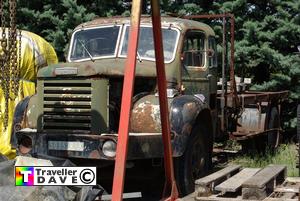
[[67, 105]]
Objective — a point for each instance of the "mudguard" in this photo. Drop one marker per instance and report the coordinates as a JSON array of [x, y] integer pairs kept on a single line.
[[184, 110], [183, 114], [26, 88]]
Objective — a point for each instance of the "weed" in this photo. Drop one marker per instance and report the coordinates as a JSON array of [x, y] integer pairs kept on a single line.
[[286, 154]]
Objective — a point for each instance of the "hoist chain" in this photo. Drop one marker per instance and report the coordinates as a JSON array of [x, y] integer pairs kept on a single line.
[[4, 65], [9, 59], [14, 71], [19, 63], [4, 49]]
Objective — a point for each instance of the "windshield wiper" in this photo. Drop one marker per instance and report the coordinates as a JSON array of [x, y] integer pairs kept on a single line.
[[82, 44], [138, 56]]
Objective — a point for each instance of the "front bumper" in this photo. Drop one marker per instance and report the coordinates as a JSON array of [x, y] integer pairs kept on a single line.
[[141, 145]]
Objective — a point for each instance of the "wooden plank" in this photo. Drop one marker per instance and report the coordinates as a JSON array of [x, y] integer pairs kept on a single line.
[[189, 197], [254, 193], [279, 199], [293, 179], [217, 198], [286, 190], [217, 175], [288, 196], [264, 176], [234, 183]]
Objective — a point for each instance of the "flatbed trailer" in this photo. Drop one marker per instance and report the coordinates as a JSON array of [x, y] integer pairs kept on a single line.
[[253, 120], [243, 114]]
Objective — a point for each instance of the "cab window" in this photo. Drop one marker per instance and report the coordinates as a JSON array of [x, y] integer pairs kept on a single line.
[[193, 49]]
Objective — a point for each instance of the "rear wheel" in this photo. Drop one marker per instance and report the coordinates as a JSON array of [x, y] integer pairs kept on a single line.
[[195, 162], [264, 143], [273, 137]]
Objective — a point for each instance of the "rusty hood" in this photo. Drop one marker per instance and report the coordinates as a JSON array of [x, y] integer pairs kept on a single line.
[[104, 67]]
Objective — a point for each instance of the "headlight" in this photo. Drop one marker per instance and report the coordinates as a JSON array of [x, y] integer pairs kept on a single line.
[[25, 145], [109, 148]]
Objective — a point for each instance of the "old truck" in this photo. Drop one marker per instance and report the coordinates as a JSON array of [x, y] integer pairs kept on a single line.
[[75, 113]]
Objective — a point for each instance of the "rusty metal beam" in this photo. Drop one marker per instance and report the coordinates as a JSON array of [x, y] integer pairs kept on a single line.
[[232, 74], [223, 104], [122, 145], [170, 189], [209, 16]]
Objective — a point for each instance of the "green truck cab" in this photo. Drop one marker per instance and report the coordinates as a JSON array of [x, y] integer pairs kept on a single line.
[[75, 113]]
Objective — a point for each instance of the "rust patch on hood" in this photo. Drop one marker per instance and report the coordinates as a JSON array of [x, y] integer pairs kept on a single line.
[[145, 118]]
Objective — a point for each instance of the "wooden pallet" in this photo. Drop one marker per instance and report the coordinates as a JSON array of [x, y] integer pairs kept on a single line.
[[287, 191], [239, 184]]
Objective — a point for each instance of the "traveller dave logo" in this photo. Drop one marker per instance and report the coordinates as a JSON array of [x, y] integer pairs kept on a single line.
[[24, 176], [55, 176]]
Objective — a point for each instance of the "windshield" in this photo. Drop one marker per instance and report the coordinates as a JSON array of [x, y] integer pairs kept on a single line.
[[146, 44], [101, 42], [94, 43]]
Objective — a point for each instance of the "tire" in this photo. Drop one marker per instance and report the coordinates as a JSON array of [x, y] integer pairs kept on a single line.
[[195, 162], [273, 137]]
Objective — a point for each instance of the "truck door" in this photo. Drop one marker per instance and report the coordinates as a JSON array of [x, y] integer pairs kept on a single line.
[[196, 77]]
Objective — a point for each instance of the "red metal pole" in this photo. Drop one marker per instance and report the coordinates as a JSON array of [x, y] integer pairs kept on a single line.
[[170, 185], [121, 155]]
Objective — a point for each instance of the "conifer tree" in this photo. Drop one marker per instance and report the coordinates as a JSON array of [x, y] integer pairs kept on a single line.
[[266, 36]]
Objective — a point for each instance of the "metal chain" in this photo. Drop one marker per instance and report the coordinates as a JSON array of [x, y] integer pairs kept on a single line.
[[9, 62], [3, 44], [19, 62], [5, 78], [3, 47], [14, 71]]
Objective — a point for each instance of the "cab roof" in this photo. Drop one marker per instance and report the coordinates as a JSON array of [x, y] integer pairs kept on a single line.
[[182, 24]]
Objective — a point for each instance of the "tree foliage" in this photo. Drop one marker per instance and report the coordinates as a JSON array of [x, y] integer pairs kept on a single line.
[[266, 37], [267, 32]]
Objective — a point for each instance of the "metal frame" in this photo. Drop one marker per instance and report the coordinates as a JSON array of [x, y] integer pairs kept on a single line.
[[123, 134]]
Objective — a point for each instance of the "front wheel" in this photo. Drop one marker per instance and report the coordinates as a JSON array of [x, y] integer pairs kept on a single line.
[[195, 162]]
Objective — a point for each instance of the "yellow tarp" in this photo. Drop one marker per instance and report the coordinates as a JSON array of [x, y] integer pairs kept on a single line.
[[35, 53]]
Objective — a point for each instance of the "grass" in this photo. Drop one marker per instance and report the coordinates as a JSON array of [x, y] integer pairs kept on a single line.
[[286, 154]]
